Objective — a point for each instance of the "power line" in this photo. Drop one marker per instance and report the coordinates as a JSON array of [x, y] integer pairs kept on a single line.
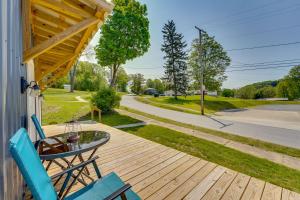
[[267, 62], [275, 64], [244, 65], [264, 46], [258, 68]]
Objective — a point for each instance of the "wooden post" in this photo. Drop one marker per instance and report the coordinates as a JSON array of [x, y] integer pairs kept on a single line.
[[99, 113], [93, 109]]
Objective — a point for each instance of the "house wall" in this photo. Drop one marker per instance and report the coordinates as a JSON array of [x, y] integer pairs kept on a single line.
[[32, 103], [13, 104]]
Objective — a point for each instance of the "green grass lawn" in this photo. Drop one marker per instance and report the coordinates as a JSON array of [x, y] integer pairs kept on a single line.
[[60, 106], [245, 140], [113, 119], [227, 157], [211, 104]]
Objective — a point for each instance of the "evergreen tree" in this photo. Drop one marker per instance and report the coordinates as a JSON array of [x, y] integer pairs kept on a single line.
[[175, 58]]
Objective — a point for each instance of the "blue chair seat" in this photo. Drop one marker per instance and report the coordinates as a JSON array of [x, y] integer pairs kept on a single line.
[[102, 189]]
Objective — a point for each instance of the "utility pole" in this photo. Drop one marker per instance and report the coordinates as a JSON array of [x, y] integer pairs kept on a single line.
[[202, 70]]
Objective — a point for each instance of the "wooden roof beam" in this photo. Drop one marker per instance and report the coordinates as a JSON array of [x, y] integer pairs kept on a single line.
[[79, 48], [59, 38], [47, 27], [53, 68], [63, 8], [63, 16], [87, 11], [108, 7], [51, 20], [48, 34]]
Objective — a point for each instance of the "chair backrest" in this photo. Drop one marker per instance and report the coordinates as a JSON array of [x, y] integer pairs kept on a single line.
[[31, 167], [38, 126]]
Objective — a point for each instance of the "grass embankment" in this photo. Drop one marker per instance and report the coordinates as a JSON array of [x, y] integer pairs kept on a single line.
[[191, 104], [60, 106], [245, 140], [227, 157]]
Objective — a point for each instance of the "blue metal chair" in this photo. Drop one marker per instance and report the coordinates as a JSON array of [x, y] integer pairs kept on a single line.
[[38, 126], [41, 132], [107, 188]]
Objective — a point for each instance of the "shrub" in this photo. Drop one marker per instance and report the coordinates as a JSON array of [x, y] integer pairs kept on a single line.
[[247, 92], [106, 99], [228, 93], [265, 92], [59, 83]]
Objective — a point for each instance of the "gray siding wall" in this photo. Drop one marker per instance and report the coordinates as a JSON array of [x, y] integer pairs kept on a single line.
[[12, 103]]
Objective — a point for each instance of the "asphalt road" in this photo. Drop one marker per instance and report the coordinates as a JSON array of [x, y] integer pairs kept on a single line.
[[284, 136], [288, 107]]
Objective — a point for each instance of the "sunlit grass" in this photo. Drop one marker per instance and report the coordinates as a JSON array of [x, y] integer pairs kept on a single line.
[[211, 104], [60, 106]]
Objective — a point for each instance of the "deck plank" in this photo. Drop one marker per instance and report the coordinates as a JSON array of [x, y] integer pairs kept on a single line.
[[164, 191], [148, 165], [254, 190], [155, 169], [200, 190], [157, 185], [151, 179], [271, 192], [289, 195], [186, 187], [237, 187], [217, 191]]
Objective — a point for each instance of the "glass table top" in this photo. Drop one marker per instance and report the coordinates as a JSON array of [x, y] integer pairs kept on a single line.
[[71, 143]]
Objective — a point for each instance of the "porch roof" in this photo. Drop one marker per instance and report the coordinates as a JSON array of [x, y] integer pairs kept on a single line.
[[57, 31]]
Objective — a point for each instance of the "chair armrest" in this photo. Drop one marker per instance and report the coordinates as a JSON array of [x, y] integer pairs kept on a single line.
[[120, 192]]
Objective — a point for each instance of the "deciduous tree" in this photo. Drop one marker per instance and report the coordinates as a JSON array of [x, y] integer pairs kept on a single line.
[[214, 60], [122, 80], [124, 36], [137, 83], [290, 86]]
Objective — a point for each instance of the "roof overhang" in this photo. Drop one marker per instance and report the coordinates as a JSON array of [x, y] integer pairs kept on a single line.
[[57, 31]]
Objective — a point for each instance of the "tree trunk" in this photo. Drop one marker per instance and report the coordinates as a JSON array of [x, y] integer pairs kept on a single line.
[[72, 76], [114, 72]]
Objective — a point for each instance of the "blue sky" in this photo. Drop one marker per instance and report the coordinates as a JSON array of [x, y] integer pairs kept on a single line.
[[235, 24]]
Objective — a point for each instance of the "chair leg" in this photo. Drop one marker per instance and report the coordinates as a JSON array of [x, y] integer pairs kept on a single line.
[[123, 196], [49, 164], [81, 160]]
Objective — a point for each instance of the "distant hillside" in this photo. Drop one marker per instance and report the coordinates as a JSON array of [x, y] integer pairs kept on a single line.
[[263, 84]]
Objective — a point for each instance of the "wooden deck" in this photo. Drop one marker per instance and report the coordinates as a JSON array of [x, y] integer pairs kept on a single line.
[[159, 172]]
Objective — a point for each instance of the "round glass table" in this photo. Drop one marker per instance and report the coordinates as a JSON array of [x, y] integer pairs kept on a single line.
[[70, 144], [63, 150]]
